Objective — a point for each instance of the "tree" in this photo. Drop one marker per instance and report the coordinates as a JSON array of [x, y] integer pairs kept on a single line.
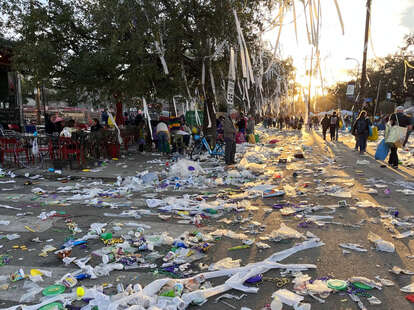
[[93, 50]]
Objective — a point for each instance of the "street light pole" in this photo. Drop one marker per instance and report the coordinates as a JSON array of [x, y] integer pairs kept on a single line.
[[364, 60], [357, 76]]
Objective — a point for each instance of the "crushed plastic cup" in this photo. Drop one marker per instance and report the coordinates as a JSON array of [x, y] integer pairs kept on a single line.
[[80, 292], [287, 297]]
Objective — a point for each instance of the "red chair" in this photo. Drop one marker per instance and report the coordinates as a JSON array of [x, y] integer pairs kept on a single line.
[[12, 146], [67, 147], [45, 149]]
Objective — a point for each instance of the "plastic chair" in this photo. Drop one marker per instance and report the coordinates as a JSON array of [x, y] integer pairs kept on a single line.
[[67, 147], [46, 149], [12, 146]]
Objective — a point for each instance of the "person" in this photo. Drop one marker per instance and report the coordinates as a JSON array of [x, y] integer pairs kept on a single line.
[[242, 124], [325, 125], [58, 125], [280, 121], [402, 120], [96, 125], [141, 135], [250, 126], [104, 117], [300, 123], [68, 129], [49, 126], [340, 124], [163, 137], [333, 124], [229, 140], [361, 131], [409, 129]]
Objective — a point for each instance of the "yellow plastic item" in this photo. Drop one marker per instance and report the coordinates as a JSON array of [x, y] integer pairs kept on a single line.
[[341, 124], [35, 272], [251, 139], [86, 170], [80, 292], [374, 136], [194, 130]]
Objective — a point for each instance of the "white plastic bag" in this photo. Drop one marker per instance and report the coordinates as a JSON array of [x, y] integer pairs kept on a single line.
[[380, 244], [35, 147]]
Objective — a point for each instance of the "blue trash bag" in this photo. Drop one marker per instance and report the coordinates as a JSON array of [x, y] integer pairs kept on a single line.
[[382, 150]]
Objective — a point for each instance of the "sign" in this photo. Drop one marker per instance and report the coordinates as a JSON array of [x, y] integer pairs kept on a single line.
[[230, 93], [350, 90]]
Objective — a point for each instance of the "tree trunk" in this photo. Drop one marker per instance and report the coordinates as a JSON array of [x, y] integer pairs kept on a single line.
[[38, 105]]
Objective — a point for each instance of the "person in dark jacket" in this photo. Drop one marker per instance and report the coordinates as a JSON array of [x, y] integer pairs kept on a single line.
[[333, 125], [361, 131], [49, 126], [229, 132], [96, 126], [402, 120], [325, 125]]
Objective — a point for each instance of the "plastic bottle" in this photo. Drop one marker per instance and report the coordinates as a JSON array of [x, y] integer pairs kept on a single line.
[[106, 236], [108, 258], [276, 304]]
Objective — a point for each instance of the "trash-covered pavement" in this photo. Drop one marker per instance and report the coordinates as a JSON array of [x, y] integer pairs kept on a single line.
[[298, 223]]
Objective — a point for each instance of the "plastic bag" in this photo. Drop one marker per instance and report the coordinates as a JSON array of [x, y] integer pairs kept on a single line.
[[380, 244], [185, 168], [285, 232], [395, 135], [225, 263], [374, 135], [35, 147], [382, 150], [32, 290]]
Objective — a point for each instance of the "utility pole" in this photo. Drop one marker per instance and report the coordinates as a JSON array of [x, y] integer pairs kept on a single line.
[[364, 61], [310, 85], [376, 100], [20, 100]]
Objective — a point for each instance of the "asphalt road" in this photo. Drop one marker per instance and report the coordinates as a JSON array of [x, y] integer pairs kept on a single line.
[[352, 224]]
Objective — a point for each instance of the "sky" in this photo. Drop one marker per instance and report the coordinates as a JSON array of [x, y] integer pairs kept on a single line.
[[391, 20]]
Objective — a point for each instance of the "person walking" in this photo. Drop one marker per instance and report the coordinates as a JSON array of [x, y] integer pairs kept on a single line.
[[229, 140], [333, 124], [325, 125], [163, 135], [402, 120], [361, 131]]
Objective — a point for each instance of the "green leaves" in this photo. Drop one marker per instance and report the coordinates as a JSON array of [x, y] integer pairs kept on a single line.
[[95, 49]]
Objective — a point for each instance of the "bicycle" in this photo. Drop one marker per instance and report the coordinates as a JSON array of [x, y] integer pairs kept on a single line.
[[201, 145]]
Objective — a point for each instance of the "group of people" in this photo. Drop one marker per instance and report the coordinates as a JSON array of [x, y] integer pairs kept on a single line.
[[280, 121], [361, 130], [331, 122]]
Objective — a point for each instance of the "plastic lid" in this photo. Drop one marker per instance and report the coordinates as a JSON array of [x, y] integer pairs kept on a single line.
[[336, 284], [362, 286], [53, 290], [52, 305]]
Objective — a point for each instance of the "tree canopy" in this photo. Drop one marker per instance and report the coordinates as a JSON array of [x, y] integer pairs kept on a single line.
[[97, 49]]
